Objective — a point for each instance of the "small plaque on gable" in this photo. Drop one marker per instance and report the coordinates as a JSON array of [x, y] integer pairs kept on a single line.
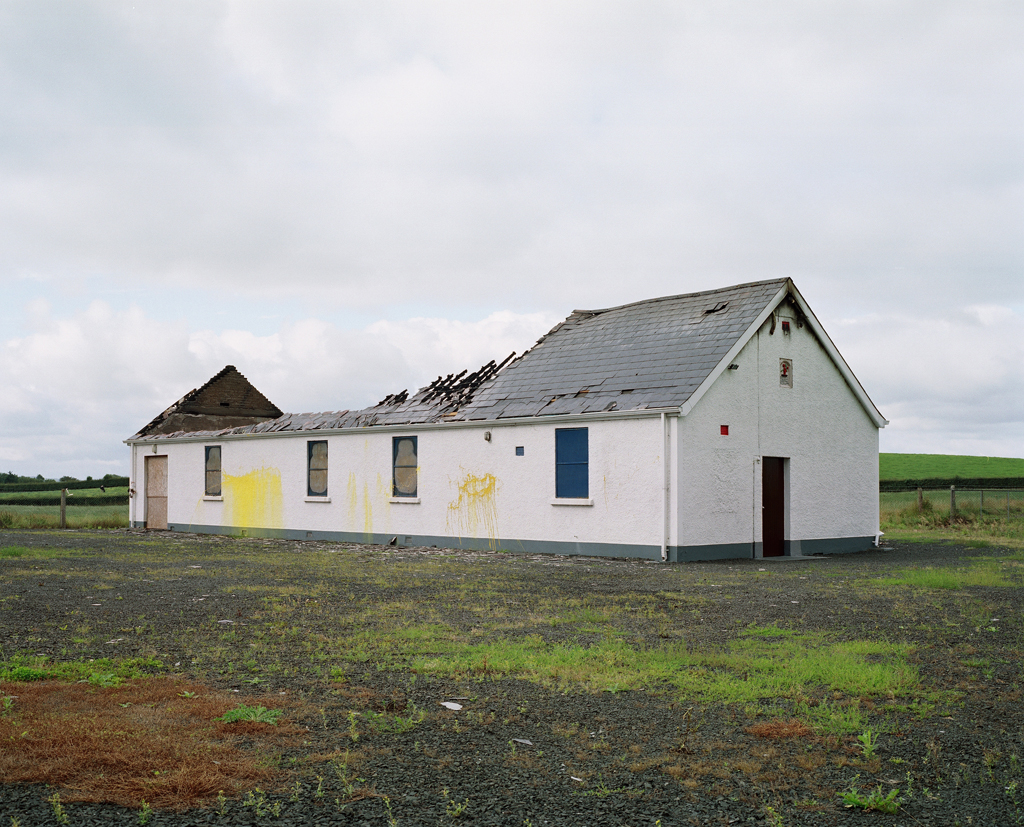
[[786, 373]]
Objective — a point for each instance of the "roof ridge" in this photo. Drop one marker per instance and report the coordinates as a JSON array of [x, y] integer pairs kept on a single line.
[[657, 299], [192, 394]]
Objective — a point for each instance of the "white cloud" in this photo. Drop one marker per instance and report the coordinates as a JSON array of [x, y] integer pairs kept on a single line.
[[435, 163], [949, 384], [521, 155], [82, 384]]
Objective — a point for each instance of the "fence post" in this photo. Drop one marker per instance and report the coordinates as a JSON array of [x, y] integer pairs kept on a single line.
[[1007, 505], [981, 510], [63, 507], [920, 501], [952, 501]]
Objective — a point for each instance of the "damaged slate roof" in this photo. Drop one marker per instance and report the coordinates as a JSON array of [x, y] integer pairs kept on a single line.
[[649, 354]]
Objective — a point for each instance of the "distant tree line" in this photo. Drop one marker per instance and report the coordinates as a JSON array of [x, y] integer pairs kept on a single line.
[[11, 477], [15, 482]]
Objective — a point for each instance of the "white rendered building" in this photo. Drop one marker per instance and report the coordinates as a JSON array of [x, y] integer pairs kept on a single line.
[[712, 425]]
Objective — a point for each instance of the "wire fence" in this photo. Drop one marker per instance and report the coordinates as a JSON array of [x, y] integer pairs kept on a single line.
[[44, 507], [957, 502]]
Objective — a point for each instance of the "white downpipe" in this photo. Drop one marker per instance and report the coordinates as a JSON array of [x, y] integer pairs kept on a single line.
[[131, 491], [666, 475]]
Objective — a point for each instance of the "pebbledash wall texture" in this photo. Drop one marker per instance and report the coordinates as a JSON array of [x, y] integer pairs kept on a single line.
[[713, 425]]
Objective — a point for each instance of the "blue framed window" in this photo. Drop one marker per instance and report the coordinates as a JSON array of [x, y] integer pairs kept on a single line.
[[316, 468], [404, 459], [572, 456]]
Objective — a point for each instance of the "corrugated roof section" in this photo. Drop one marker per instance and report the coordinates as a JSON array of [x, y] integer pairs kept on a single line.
[[650, 354]]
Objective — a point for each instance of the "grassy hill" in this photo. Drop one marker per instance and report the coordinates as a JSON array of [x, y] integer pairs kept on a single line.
[[945, 466]]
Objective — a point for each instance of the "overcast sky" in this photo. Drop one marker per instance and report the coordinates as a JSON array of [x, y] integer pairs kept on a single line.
[[348, 199]]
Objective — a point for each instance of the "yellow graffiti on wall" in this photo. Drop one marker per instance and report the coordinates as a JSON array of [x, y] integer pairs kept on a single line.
[[253, 500], [384, 498], [368, 508], [475, 512], [353, 501]]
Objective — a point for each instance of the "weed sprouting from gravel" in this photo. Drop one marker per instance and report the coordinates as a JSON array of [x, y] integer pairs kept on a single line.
[[256, 714], [868, 743], [392, 821], [452, 808], [60, 815], [388, 722], [257, 799], [875, 799]]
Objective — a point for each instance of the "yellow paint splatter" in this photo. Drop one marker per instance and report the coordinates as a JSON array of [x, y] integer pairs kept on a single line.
[[253, 500], [368, 509], [475, 512], [353, 501], [384, 499]]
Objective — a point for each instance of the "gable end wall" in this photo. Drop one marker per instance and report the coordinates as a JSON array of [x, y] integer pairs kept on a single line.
[[820, 427]]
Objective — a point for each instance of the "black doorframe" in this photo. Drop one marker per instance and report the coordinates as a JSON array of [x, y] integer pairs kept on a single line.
[[773, 506]]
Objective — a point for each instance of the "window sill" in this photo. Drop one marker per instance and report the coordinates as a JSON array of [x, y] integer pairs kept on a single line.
[[407, 500], [572, 501], [318, 499], [207, 498]]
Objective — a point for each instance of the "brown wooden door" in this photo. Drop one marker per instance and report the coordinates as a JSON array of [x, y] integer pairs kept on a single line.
[[773, 506], [156, 492]]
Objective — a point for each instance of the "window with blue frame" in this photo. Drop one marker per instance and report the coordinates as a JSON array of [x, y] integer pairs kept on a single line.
[[572, 475]]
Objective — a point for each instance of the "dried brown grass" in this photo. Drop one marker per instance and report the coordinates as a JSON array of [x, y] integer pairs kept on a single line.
[[142, 741], [811, 761], [793, 728]]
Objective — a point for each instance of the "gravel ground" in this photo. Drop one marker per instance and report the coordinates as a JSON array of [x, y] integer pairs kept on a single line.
[[608, 758]]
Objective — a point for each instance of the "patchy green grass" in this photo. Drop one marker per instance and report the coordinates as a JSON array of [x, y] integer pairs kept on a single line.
[[747, 670], [970, 535], [255, 714], [987, 573], [100, 672], [38, 553]]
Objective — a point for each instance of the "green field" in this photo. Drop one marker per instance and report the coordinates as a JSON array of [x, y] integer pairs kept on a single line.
[[48, 516], [78, 494], [945, 466]]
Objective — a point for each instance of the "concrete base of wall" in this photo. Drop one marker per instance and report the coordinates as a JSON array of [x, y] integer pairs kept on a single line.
[[837, 545], [676, 554], [721, 551]]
